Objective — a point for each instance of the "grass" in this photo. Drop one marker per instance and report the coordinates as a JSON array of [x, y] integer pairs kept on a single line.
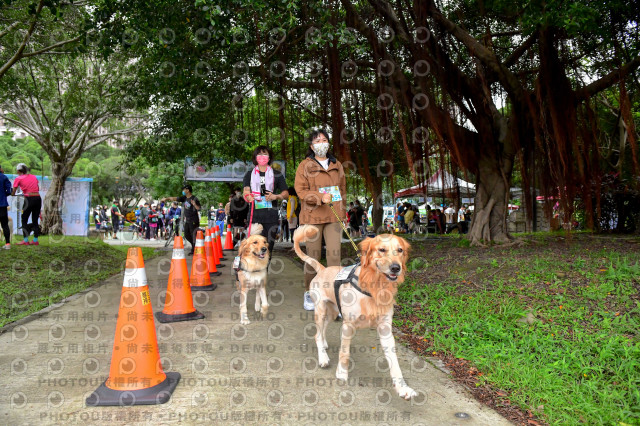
[[36, 277], [554, 325]]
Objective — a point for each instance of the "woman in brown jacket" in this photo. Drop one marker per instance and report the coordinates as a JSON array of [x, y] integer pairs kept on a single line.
[[320, 179]]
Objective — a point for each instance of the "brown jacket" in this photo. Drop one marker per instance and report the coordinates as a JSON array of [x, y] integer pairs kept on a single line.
[[310, 177]]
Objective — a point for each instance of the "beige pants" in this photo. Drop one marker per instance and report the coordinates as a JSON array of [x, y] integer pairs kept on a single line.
[[332, 237]]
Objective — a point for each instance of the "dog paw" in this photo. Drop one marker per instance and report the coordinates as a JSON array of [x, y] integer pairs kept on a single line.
[[406, 392], [341, 373], [323, 360], [245, 320], [264, 311], [325, 345]]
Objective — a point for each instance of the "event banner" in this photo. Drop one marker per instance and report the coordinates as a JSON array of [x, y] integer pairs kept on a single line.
[[76, 205], [232, 172]]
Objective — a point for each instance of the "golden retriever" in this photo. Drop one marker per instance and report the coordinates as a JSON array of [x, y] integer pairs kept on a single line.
[[254, 261], [382, 268]]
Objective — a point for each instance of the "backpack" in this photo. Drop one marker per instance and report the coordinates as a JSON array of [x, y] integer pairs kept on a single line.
[[298, 207]]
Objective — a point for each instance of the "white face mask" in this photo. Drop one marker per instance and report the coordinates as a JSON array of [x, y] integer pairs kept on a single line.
[[320, 149]]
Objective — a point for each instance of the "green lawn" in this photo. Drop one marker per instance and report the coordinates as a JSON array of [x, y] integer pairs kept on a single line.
[[551, 327], [35, 277]]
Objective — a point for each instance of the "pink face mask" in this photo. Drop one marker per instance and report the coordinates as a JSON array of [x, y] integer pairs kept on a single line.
[[262, 160]]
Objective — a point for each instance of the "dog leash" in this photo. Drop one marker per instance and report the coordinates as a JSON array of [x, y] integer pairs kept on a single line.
[[250, 220], [355, 247]]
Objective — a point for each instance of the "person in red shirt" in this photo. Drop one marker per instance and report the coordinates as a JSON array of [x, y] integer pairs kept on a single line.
[[28, 183]]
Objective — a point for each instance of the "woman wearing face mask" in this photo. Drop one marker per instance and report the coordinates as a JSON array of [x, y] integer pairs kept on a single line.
[[320, 179], [264, 187]]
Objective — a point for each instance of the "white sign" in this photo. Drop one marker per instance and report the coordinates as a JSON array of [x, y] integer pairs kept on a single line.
[[76, 205]]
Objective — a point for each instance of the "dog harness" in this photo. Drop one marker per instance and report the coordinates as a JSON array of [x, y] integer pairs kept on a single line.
[[347, 275]]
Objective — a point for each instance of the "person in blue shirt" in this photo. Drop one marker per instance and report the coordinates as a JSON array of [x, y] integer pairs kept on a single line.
[[5, 191], [220, 217], [173, 216]]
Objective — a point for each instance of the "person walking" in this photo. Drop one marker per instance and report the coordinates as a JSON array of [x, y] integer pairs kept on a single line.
[[220, 217], [320, 180], [238, 216], [153, 222], [174, 218], [5, 191], [211, 217], [293, 211], [116, 214], [263, 187], [97, 213], [190, 209], [28, 183]]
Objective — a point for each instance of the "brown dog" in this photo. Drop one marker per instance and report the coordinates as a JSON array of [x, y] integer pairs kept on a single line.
[[254, 261], [366, 301]]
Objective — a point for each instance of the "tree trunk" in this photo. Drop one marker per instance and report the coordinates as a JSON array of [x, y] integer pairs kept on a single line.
[[489, 220], [52, 204], [378, 203]]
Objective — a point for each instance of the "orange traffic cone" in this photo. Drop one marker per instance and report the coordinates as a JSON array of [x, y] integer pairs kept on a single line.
[[199, 278], [178, 304], [217, 255], [135, 376], [219, 241], [228, 240], [210, 254]]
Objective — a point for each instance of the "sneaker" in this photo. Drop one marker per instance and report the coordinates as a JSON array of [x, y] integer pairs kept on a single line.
[[34, 243], [308, 302], [339, 317], [6, 246], [23, 243], [153, 239]]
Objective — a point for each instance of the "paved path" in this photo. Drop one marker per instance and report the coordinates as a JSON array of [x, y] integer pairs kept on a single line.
[[265, 372]]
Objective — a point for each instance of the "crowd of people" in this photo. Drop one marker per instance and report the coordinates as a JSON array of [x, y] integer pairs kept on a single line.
[[440, 221]]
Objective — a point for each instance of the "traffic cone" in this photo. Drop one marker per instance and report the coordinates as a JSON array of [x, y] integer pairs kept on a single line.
[[210, 254], [135, 376], [199, 278], [228, 240], [178, 304], [219, 241], [217, 254]]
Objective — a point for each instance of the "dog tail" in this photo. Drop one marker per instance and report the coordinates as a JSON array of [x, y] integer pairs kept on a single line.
[[256, 229], [305, 233]]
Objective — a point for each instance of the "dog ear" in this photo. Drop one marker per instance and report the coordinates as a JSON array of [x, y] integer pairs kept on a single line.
[[243, 243], [365, 249]]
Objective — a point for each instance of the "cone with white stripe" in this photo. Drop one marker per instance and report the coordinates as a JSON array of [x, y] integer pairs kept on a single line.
[[210, 254], [178, 304], [218, 240], [136, 376], [199, 277], [228, 239], [217, 254]]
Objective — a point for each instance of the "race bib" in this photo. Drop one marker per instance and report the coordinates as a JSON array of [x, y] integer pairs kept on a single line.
[[263, 204], [344, 272], [333, 190]]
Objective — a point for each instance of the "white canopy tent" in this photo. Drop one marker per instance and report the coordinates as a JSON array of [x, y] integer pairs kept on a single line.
[[442, 184]]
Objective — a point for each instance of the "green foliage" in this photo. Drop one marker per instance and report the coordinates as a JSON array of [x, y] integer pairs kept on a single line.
[[34, 284], [577, 357]]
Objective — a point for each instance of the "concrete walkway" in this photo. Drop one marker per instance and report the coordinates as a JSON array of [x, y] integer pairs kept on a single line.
[[265, 372]]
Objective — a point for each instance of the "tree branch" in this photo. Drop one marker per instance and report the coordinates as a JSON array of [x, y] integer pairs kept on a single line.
[[53, 46], [9, 28], [608, 80], [520, 50], [24, 42]]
